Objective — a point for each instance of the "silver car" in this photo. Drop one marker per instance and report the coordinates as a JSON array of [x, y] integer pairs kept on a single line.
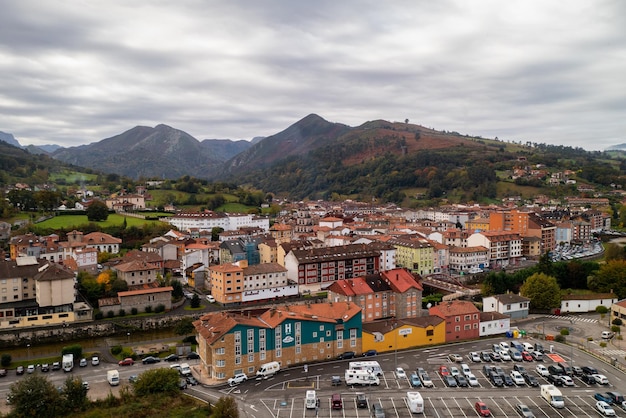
[[524, 411]]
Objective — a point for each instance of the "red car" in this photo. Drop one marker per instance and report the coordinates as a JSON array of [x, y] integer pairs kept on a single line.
[[443, 370], [126, 362], [482, 409], [526, 356]]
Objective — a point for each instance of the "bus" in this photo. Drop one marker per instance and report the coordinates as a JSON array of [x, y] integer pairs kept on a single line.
[[371, 366]]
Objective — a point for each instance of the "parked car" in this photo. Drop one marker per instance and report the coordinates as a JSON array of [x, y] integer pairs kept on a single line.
[[465, 369], [415, 380], [361, 400], [557, 370], [210, 298], [530, 380], [455, 358], [56, 366], [19, 370], [616, 398], [537, 355], [30, 369], [126, 362], [526, 356], [601, 379], [482, 409], [507, 380], [426, 380], [133, 378], [518, 379], [150, 360], [347, 355], [461, 381], [495, 356], [450, 381], [524, 411], [370, 353], [335, 381], [578, 371], [521, 369], [604, 397], [554, 379], [472, 380], [588, 379], [605, 409], [485, 356], [505, 356], [496, 380], [237, 379], [182, 384], [454, 371], [378, 411], [193, 355], [590, 370], [191, 380], [400, 373], [95, 360], [474, 357], [542, 370], [45, 367], [82, 362], [172, 357], [567, 381], [443, 370]]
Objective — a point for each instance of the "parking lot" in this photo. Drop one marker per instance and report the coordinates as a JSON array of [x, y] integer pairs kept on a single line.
[[286, 398]]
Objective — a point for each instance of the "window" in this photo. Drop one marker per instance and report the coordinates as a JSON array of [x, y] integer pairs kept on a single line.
[[430, 332], [250, 341], [220, 363], [457, 328], [353, 337], [339, 339], [457, 319]]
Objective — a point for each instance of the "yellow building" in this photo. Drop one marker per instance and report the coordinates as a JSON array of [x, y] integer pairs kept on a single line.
[[415, 254], [389, 334]]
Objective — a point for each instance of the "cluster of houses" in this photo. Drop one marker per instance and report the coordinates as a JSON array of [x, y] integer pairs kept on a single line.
[[332, 278]]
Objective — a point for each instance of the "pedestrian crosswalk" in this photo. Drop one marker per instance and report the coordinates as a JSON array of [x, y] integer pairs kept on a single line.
[[613, 353], [573, 319]]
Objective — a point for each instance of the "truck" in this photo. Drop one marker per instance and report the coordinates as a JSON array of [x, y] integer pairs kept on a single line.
[[268, 369], [554, 396], [416, 402], [113, 377], [68, 362], [310, 399], [361, 378]]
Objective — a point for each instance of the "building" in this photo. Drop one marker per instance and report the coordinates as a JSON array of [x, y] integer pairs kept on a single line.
[[126, 203], [464, 258], [510, 304], [503, 248], [414, 254], [316, 268], [140, 299], [207, 220], [38, 293], [462, 319], [137, 272], [494, 323], [389, 335], [618, 311], [587, 303], [241, 341]]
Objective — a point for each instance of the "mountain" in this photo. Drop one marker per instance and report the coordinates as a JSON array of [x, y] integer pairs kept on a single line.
[[618, 147], [159, 152], [9, 139]]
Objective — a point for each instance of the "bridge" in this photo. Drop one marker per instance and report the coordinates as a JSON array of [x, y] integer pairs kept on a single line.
[[449, 284]]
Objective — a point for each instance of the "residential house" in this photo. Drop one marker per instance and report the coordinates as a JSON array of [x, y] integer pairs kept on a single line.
[[587, 302], [389, 335], [462, 319], [513, 305], [494, 323], [503, 248]]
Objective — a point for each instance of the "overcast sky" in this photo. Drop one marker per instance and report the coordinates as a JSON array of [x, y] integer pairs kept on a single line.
[[76, 72]]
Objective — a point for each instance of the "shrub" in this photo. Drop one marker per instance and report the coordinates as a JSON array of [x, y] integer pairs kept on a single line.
[[99, 315], [560, 338], [5, 360], [159, 308], [602, 344], [75, 349], [615, 329], [589, 338], [134, 311], [122, 312], [148, 309], [602, 309], [110, 314], [116, 349], [618, 322], [564, 331]]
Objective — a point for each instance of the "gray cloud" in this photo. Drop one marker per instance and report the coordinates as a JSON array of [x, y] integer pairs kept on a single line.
[[531, 70]]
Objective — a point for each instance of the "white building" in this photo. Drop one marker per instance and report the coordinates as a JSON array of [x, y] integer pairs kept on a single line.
[[587, 303], [207, 220], [493, 323]]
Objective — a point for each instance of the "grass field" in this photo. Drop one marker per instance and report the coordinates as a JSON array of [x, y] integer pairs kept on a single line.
[[71, 221]]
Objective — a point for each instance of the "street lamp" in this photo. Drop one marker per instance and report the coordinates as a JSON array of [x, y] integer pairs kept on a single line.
[[395, 333], [128, 338], [28, 349]]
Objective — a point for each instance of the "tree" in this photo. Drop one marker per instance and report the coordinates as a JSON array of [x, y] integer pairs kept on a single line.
[[225, 407], [195, 301], [97, 211], [5, 360], [542, 290], [35, 396], [74, 394], [610, 278], [184, 326], [162, 380], [75, 349]]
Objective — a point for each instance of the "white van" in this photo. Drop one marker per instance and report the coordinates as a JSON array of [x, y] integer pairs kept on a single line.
[[551, 394], [361, 378], [185, 370], [113, 377], [416, 403], [310, 399], [268, 369]]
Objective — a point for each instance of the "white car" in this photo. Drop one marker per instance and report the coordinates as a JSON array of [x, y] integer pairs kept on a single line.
[[210, 298], [472, 381], [517, 377], [465, 369], [601, 379], [505, 356], [426, 381], [95, 361], [474, 357], [504, 346], [400, 373], [455, 358], [30, 368], [605, 409], [454, 371], [542, 370], [238, 378], [567, 381]]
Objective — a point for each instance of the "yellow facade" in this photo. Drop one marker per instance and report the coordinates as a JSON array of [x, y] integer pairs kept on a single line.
[[404, 337]]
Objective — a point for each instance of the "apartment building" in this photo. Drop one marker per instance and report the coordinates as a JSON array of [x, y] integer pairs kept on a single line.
[[462, 319]]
